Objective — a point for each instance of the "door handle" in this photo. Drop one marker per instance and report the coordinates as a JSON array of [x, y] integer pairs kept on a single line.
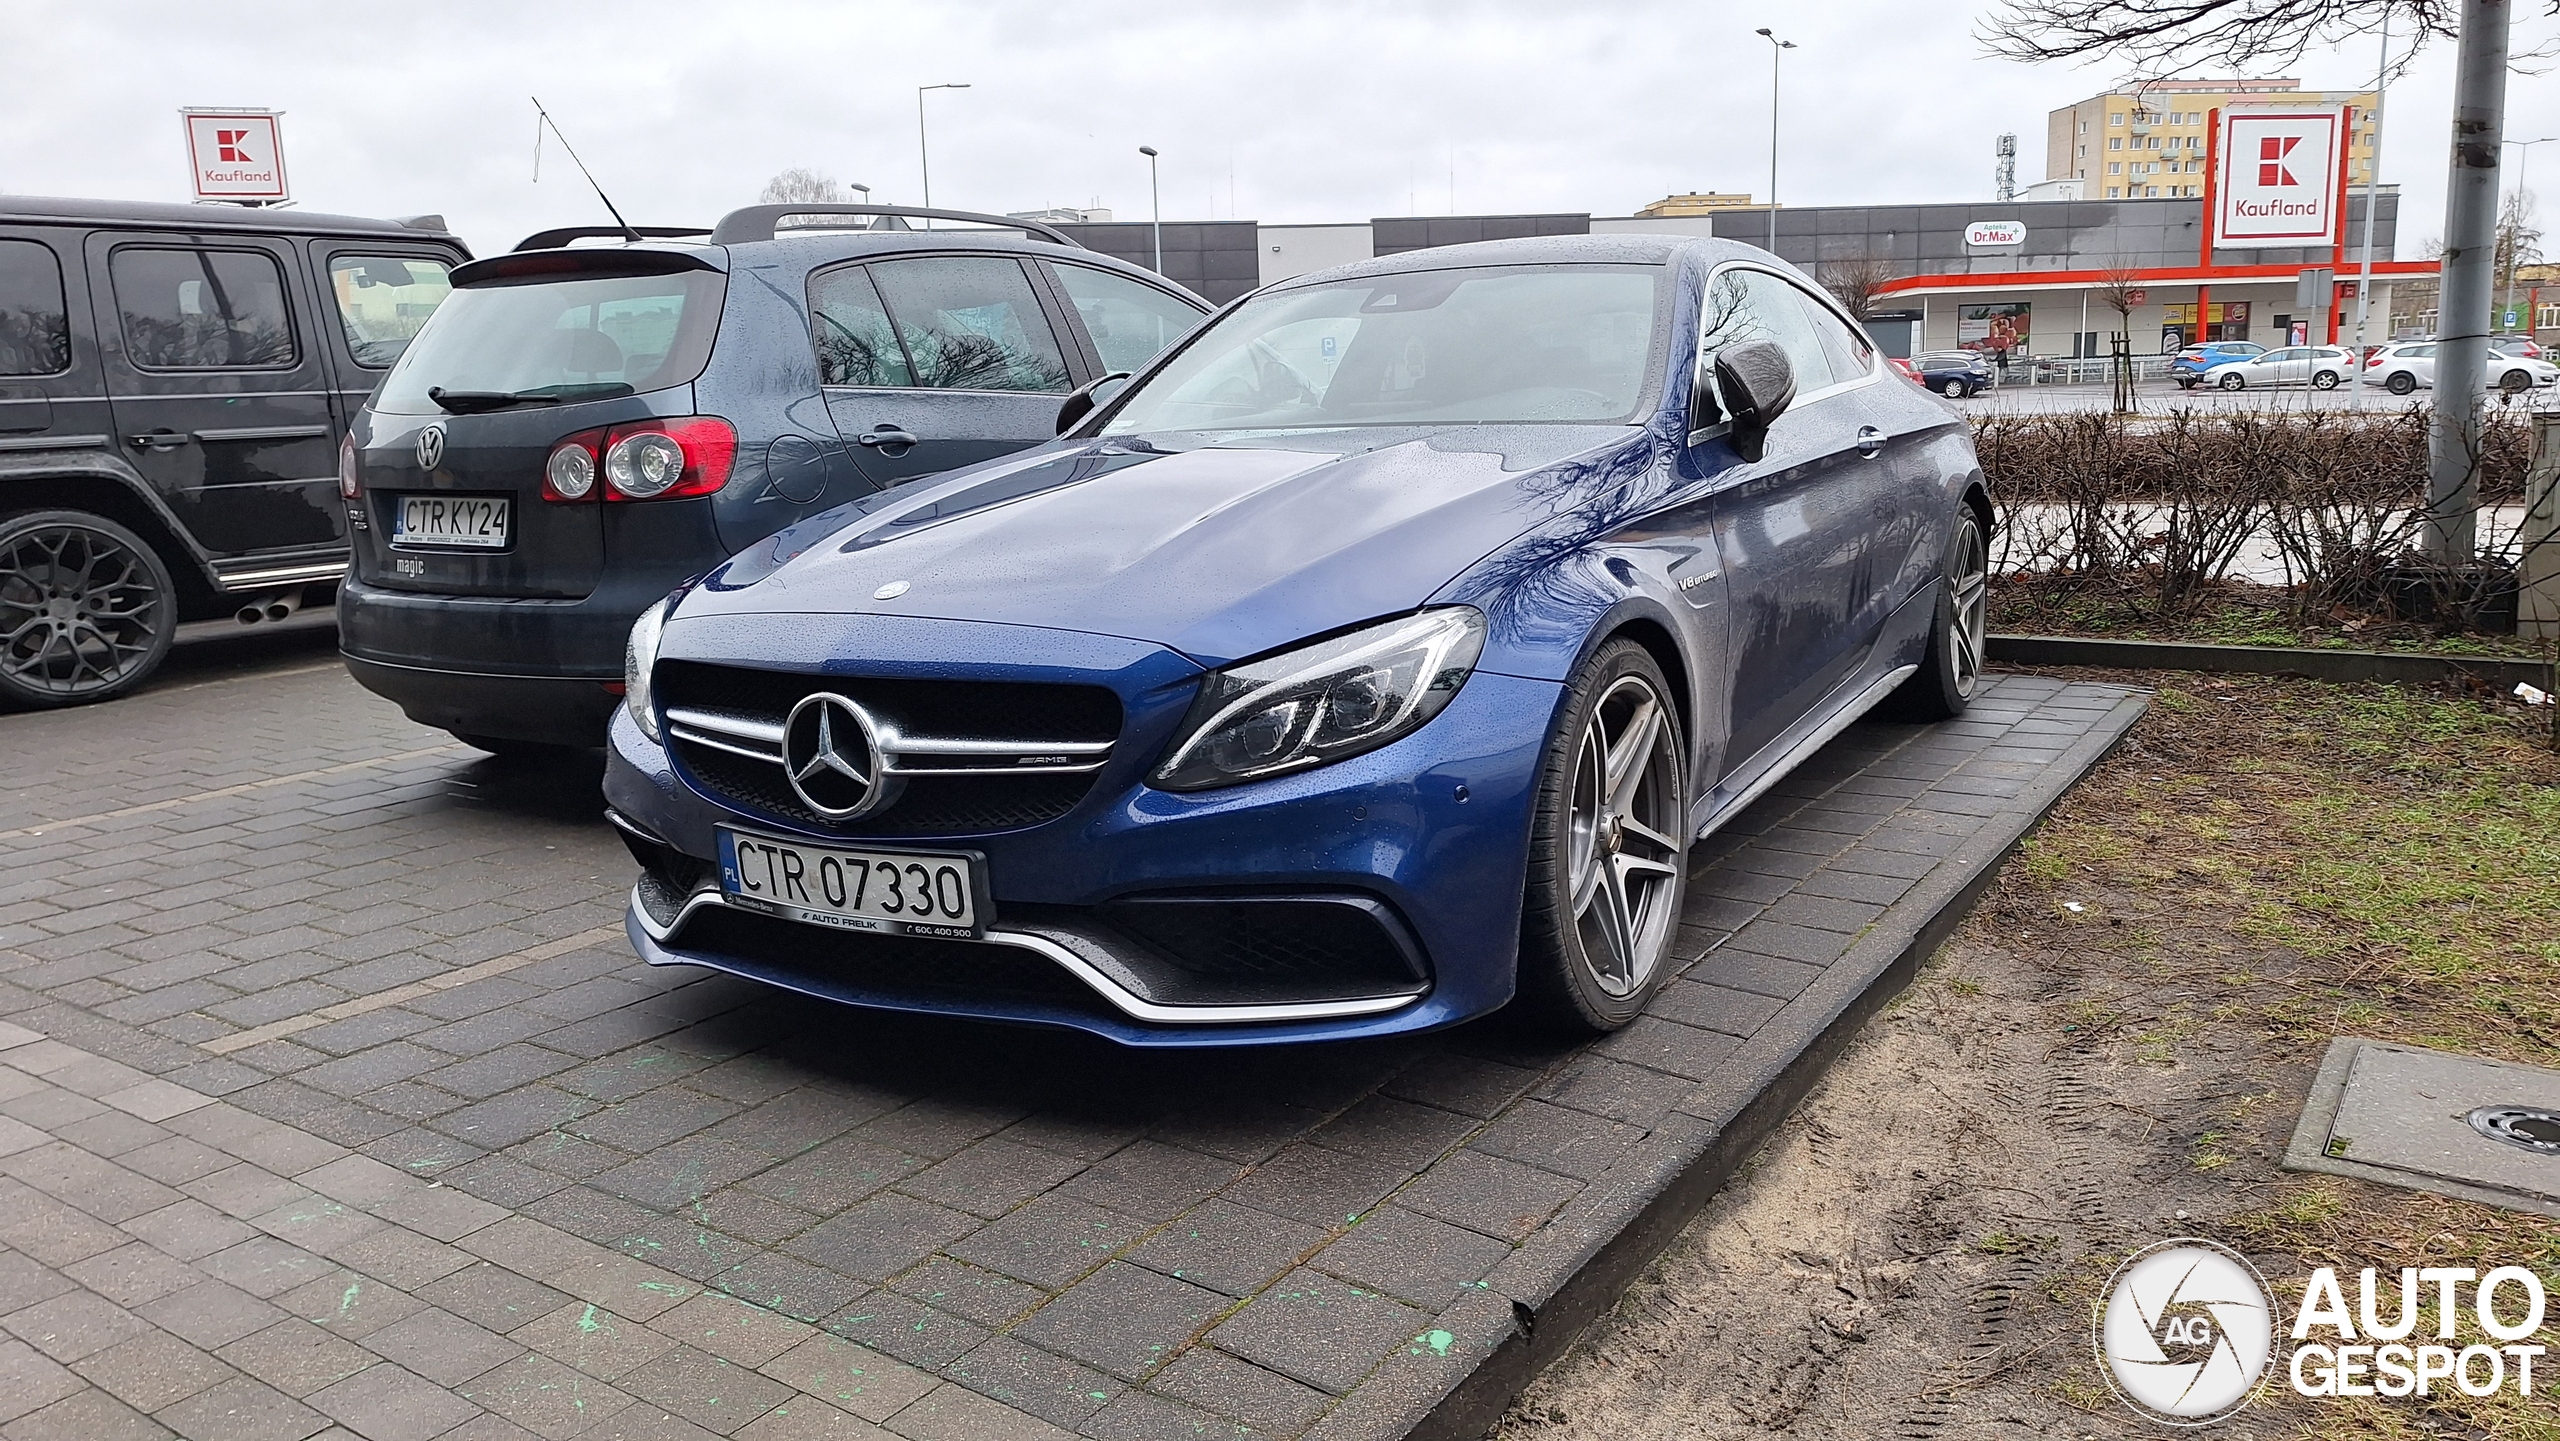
[[889, 439], [160, 440], [1870, 442]]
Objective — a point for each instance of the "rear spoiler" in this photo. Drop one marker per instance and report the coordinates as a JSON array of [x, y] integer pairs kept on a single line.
[[756, 222], [521, 265], [554, 239]]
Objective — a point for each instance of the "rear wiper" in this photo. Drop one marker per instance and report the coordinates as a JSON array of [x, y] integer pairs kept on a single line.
[[472, 402]]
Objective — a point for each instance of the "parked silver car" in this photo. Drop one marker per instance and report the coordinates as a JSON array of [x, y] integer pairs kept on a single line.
[[2322, 367], [2410, 364]]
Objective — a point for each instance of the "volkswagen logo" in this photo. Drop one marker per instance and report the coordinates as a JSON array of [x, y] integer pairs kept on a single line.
[[831, 752], [431, 447]]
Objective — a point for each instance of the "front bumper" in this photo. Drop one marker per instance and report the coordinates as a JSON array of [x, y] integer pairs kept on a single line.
[[1427, 836]]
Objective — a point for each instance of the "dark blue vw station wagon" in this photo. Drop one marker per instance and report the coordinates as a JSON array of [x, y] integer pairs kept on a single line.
[[583, 427]]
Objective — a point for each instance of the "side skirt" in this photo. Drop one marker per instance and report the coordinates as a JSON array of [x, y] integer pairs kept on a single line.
[[1796, 752]]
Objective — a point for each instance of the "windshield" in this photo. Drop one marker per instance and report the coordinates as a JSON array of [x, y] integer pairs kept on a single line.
[[1438, 347], [558, 340]]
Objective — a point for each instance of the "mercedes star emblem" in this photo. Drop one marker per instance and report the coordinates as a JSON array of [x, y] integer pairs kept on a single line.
[[831, 753], [431, 447]]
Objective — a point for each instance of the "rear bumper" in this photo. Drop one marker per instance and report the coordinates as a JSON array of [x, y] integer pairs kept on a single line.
[[549, 710]]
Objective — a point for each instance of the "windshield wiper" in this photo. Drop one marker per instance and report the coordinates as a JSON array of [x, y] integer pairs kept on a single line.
[[473, 402]]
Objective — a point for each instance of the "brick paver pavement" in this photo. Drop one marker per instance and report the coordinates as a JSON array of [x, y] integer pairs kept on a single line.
[[332, 1101]]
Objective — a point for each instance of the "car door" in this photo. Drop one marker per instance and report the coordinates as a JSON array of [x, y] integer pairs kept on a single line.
[[937, 361], [1803, 532], [50, 395], [219, 396]]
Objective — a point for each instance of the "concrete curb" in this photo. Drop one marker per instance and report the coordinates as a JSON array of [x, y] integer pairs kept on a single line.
[[1636, 1209], [2346, 666]]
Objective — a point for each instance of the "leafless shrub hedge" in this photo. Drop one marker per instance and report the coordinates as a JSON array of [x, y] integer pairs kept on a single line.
[[2163, 506]]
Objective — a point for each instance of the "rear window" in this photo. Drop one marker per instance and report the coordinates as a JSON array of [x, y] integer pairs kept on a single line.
[[35, 330], [579, 339]]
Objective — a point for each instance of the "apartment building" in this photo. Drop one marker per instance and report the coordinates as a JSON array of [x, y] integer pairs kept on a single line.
[[2148, 141]]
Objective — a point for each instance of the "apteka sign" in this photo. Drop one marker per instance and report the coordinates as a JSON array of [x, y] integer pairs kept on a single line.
[[236, 155], [2278, 180]]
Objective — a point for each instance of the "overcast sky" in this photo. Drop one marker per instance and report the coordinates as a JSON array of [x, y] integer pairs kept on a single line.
[[1280, 111]]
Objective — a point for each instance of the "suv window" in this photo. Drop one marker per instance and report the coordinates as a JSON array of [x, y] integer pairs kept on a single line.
[[35, 328], [202, 309], [856, 346], [1129, 321], [971, 323], [383, 299]]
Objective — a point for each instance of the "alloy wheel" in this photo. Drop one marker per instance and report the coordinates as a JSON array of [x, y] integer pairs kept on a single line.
[[1970, 587], [1623, 837], [79, 610]]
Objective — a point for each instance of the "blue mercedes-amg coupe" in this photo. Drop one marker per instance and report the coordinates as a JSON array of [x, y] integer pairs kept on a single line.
[[1372, 658]]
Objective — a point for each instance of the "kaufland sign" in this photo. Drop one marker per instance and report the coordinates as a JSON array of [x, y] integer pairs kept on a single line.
[[2278, 180], [236, 155]]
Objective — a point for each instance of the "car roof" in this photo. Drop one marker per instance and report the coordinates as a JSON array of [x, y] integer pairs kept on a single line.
[[1628, 249], [817, 245], [157, 215]]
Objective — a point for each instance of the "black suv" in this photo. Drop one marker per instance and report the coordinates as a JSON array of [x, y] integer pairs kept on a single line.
[[584, 427], [174, 384]]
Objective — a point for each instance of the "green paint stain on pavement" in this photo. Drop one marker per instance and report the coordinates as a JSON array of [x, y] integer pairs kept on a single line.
[[588, 1322], [1438, 1341], [347, 1302]]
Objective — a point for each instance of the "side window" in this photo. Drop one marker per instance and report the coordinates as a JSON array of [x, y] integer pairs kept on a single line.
[[1848, 351], [1129, 322], [383, 299], [202, 309], [851, 331], [1777, 313], [35, 327], [971, 324]]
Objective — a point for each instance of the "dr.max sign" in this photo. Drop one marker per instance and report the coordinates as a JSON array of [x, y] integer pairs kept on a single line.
[[1996, 232], [2278, 180], [236, 155]]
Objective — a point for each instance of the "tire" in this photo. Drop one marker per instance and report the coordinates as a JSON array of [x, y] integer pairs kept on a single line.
[[2233, 380], [1960, 390], [2186, 384], [2325, 380], [1608, 856], [507, 749], [2400, 383], [1951, 668], [2515, 382], [87, 609]]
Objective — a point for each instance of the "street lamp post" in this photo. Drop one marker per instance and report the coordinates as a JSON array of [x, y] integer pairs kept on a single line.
[[924, 153], [1155, 203], [1776, 45], [2509, 284]]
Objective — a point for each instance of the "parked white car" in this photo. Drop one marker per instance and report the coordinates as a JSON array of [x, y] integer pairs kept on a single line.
[[2410, 364], [2322, 367]]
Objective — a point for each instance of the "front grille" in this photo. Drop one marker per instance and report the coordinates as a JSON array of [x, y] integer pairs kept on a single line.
[[1049, 742]]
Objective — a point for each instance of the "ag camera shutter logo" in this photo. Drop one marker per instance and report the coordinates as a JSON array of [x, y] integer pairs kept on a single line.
[[2186, 1332]]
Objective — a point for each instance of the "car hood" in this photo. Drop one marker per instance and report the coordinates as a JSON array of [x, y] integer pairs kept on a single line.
[[1218, 551]]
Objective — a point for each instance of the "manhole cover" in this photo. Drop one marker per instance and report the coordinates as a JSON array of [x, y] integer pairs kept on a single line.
[[2530, 1127]]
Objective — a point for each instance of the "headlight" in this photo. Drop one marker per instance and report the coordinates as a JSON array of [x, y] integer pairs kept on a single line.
[[1323, 702], [637, 661]]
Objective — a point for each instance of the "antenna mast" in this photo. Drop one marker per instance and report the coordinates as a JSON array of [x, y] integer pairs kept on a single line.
[[544, 118], [2004, 176]]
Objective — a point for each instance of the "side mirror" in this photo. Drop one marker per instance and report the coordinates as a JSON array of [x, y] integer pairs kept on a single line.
[[1082, 401], [1757, 385]]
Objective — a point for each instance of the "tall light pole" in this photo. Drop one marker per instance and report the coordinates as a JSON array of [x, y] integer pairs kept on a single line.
[[1776, 46], [2509, 239], [924, 153], [2372, 183], [1155, 203]]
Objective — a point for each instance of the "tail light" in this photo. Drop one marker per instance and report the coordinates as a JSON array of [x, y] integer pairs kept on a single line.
[[350, 479], [649, 460]]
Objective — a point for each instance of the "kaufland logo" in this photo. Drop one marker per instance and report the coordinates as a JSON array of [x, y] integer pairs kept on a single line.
[[234, 145], [2272, 150]]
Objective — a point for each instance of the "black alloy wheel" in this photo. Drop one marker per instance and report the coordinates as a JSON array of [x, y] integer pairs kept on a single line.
[[2400, 383], [1951, 667], [87, 609], [1608, 847]]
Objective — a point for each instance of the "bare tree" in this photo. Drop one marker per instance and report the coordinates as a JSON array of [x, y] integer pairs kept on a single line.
[[2519, 240], [2161, 37], [2120, 290], [1859, 285], [800, 185]]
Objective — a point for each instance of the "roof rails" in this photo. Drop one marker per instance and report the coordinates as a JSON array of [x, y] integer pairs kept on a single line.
[[756, 222], [554, 239]]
